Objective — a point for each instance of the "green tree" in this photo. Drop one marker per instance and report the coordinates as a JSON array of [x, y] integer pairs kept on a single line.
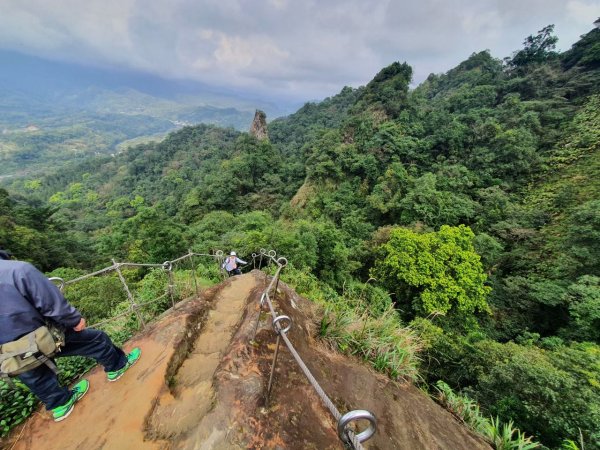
[[583, 299], [391, 187], [388, 90], [515, 155], [437, 272], [553, 393], [583, 237], [537, 49], [149, 236], [426, 203]]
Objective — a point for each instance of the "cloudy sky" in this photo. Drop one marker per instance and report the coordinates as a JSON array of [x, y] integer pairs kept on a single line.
[[292, 49]]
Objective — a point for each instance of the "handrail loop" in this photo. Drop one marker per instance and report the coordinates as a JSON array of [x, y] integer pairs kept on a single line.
[[282, 261], [61, 286], [277, 328], [167, 265], [352, 416]]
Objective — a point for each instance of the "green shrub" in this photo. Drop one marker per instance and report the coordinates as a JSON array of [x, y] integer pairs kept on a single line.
[[16, 405], [94, 297], [551, 391], [434, 273], [552, 394]]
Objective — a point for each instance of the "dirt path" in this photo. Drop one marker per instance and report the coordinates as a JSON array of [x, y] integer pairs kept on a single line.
[[192, 395]]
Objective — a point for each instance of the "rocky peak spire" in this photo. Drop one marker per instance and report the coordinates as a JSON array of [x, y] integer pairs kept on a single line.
[[258, 129]]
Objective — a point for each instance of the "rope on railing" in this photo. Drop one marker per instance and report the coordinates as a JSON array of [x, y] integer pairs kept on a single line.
[[346, 435], [134, 307], [89, 275]]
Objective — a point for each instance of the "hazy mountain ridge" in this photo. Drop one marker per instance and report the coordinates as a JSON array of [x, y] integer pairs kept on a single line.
[[74, 112]]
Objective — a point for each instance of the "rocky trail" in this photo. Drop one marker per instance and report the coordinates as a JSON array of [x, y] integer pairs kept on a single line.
[[202, 379]]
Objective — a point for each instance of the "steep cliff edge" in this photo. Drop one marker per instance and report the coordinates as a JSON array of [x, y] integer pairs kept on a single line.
[[202, 380]]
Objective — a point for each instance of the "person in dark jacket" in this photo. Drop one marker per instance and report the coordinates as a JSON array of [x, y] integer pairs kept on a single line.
[[28, 300]]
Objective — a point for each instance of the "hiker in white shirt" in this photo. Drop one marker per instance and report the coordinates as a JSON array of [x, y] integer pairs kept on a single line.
[[231, 264]]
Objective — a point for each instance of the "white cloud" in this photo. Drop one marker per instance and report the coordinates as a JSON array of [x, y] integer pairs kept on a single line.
[[279, 4], [583, 12], [236, 53], [296, 49], [477, 23]]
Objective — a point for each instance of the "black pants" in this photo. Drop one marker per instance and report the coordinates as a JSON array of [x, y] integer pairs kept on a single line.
[[236, 271], [96, 344]]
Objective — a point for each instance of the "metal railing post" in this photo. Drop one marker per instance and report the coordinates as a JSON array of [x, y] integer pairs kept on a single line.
[[276, 286], [191, 254], [258, 318], [134, 307], [220, 258], [278, 275], [273, 370], [168, 265]]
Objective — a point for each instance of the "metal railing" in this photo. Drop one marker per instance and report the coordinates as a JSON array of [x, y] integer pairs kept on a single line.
[[281, 326], [135, 306]]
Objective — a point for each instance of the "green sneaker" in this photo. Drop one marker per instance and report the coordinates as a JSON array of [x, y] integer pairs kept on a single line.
[[79, 390], [132, 358]]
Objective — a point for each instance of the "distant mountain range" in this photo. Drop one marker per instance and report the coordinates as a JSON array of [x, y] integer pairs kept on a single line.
[[32, 81], [52, 112]]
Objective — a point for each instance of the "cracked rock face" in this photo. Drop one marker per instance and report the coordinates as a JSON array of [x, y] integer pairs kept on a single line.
[[259, 126]]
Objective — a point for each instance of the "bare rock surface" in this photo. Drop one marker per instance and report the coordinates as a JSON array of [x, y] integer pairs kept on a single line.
[[258, 129], [201, 384]]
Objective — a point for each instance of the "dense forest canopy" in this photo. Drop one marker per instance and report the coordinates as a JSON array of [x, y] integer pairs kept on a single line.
[[473, 200]]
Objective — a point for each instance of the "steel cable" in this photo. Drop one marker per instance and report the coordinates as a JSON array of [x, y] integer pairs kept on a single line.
[[89, 275], [351, 436], [315, 384]]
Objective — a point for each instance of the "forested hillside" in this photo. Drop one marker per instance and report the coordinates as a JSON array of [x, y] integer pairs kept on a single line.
[[55, 113], [470, 203]]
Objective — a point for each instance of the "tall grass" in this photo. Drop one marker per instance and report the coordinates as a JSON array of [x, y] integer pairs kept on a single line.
[[501, 436], [569, 444], [361, 321]]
